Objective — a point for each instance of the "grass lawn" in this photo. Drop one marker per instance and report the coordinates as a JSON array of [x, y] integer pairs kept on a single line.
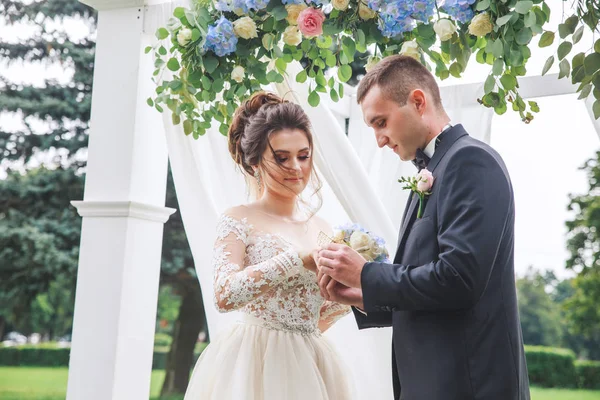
[[35, 383], [38, 383]]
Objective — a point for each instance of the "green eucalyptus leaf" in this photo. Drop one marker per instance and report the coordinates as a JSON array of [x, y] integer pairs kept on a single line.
[[564, 49], [524, 36], [498, 67], [548, 65], [592, 63], [585, 92], [564, 68], [173, 64], [210, 64], [547, 39], [578, 34], [489, 84], [524, 6], [162, 33], [301, 77], [314, 99], [345, 73], [509, 82], [503, 20], [483, 5], [596, 109]]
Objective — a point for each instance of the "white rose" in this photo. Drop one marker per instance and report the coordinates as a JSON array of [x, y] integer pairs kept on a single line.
[[292, 36], [360, 241], [238, 74], [444, 29], [245, 28], [339, 237], [340, 4], [365, 12], [184, 36], [411, 49], [293, 11], [373, 61], [481, 25]]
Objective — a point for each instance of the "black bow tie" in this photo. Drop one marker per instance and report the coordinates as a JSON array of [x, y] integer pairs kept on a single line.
[[421, 160]]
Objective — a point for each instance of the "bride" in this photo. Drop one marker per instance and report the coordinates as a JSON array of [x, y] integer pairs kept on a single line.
[[264, 267]]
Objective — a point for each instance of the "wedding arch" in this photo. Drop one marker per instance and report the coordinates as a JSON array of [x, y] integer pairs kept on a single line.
[[123, 207]]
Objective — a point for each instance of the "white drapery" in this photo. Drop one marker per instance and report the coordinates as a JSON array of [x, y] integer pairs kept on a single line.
[[360, 184]]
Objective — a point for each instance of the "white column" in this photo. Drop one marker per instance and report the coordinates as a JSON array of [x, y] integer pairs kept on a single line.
[[123, 215]]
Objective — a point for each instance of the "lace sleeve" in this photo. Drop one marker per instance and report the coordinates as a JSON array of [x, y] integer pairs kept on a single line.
[[236, 285], [331, 312]]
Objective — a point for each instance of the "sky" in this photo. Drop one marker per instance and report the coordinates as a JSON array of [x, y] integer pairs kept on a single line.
[[543, 157]]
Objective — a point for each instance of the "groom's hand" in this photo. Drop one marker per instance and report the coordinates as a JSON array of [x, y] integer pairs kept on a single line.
[[341, 263], [346, 295]]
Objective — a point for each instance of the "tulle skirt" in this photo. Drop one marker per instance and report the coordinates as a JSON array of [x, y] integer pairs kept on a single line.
[[253, 362]]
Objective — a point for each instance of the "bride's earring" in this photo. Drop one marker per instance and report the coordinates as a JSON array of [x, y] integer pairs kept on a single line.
[[257, 176]]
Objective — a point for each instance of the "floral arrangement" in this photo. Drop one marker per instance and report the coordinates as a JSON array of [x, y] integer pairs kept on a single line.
[[221, 52], [368, 245]]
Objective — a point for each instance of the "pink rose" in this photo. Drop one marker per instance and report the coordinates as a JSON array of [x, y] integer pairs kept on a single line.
[[425, 180], [310, 22]]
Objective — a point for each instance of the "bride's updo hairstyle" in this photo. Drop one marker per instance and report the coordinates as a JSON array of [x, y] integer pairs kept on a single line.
[[255, 122]]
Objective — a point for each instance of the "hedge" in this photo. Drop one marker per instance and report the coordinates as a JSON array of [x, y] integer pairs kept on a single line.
[[551, 367], [588, 374], [50, 355]]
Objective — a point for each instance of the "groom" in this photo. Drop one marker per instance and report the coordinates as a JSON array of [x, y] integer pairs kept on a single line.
[[450, 293]]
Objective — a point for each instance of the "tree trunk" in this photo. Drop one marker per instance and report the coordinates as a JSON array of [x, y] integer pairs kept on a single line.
[[190, 322], [2, 327]]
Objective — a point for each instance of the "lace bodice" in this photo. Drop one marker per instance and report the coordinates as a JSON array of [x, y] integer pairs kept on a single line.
[[261, 274]]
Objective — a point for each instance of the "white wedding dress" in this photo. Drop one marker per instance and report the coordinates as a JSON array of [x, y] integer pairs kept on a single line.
[[276, 350]]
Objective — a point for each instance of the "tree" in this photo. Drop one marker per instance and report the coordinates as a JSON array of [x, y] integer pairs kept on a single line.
[[539, 315], [583, 244], [39, 239], [63, 108]]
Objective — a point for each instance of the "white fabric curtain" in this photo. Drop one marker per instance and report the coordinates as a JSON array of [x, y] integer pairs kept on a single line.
[[360, 185]]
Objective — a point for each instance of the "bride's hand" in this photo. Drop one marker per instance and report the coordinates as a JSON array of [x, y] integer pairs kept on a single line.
[[309, 260]]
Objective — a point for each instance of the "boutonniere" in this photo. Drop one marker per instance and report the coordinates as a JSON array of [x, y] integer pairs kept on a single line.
[[420, 184]]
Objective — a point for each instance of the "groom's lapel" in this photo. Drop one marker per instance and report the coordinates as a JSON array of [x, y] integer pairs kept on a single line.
[[409, 218], [405, 216], [450, 138]]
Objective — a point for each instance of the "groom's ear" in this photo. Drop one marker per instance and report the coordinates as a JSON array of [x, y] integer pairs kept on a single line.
[[418, 99]]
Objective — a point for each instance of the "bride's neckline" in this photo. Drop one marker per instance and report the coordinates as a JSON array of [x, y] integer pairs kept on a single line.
[[277, 217]]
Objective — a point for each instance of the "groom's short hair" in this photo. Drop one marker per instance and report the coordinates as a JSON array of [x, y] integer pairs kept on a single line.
[[397, 76]]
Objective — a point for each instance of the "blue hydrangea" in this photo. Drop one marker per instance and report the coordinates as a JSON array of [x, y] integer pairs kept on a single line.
[[319, 2], [460, 10], [375, 4], [391, 27], [220, 38], [460, 14], [286, 2], [423, 9], [257, 5], [224, 5]]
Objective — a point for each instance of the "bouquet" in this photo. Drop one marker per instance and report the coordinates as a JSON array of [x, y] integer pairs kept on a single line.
[[368, 245]]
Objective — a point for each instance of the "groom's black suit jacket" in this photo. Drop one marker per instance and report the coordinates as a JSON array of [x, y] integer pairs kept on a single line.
[[450, 294]]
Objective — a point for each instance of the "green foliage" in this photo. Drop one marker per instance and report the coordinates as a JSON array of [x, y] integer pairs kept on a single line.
[[582, 307], [550, 367], [62, 107], [540, 316], [588, 374]]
